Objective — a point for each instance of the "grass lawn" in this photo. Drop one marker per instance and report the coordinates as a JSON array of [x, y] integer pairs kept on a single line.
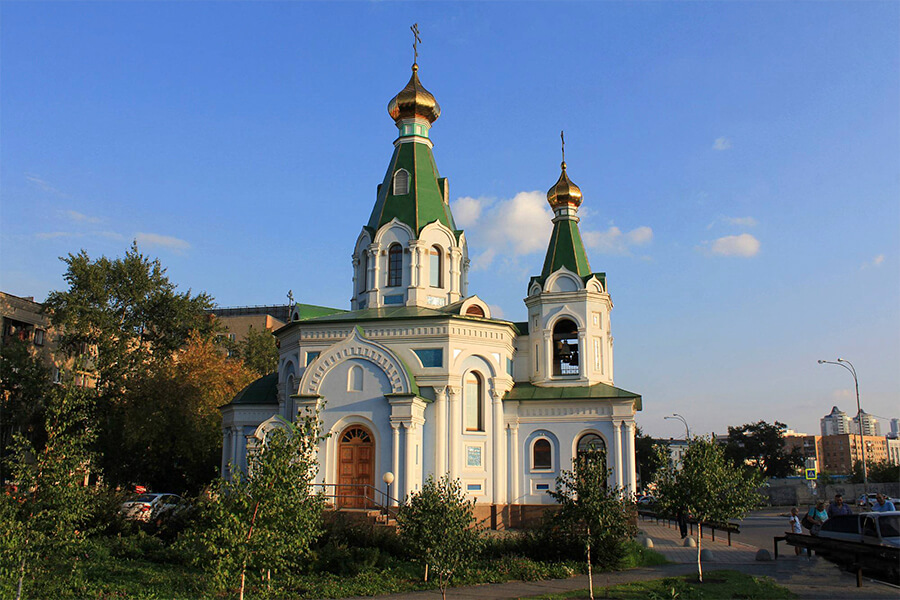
[[717, 585]]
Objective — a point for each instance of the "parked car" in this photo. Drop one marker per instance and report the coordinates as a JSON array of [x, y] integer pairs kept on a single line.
[[880, 528], [148, 507], [646, 501]]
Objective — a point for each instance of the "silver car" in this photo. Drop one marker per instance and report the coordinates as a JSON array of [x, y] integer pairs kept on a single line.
[[880, 528]]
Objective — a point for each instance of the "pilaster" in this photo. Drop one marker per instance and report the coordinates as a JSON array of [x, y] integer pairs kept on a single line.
[[455, 429], [617, 440]]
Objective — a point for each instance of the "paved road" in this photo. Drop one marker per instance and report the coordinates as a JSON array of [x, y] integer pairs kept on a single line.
[[761, 526]]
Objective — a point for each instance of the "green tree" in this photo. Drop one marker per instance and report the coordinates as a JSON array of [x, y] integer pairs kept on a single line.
[[879, 472], [437, 524], [761, 445], [259, 351], [651, 456], [709, 487], [44, 514], [594, 515], [264, 521], [24, 388], [172, 417], [127, 316]]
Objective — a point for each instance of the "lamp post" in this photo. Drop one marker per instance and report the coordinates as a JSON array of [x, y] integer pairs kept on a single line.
[[862, 447], [388, 478], [687, 430]]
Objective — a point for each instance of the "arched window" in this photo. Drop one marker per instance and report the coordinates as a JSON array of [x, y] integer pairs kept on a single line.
[[363, 277], [355, 379], [291, 388], [395, 265], [401, 182], [542, 454], [473, 393], [434, 267], [565, 348], [475, 311]]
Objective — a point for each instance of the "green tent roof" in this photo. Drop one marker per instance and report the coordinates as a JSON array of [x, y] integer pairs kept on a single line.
[[599, 391], [309, 311], [424, 203], [566, 250], [262, 391]]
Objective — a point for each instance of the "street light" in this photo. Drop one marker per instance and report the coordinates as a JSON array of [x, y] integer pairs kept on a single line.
[[687, 430], [862, 447]]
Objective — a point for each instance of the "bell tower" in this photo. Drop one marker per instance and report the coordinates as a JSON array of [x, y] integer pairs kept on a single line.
[[568, 304]]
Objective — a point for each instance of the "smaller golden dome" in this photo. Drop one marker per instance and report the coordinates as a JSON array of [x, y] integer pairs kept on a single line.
[[564, 193], [414, 101]]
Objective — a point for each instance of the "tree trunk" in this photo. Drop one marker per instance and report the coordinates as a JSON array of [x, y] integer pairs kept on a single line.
[[590, 569], [244, 564], [699, 544], [21, 578]]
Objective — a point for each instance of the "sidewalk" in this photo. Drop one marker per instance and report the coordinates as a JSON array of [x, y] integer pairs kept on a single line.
[[813, 579]]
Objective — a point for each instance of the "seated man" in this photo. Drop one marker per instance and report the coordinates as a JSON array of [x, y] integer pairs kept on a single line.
[[837, 507]]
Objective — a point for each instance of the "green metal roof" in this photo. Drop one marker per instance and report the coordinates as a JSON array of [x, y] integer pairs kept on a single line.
[[309, 311], [566, 250], [262, 391], [424, 203], [523, 391]]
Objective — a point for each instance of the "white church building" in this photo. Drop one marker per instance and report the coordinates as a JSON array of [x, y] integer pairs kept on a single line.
[[418, 378]]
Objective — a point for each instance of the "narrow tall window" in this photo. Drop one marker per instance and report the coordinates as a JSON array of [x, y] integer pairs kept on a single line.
[[598, 357], [355, 379], [473, 404], [395, 265], [542, 455], [565, 348], [363, 277], [434, 266], [401, 182]]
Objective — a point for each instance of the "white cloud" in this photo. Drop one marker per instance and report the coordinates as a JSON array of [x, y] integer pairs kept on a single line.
[[496, 311], [466, 211], [744, 245], [722, 143], [875, 262], [614, 241], [78, 217], [152, 240], [734, 221], [44, 185], [52, 235]]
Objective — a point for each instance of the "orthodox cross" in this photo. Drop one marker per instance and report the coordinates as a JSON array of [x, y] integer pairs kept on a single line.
[[290, 297], [562, 136], [416, 41]]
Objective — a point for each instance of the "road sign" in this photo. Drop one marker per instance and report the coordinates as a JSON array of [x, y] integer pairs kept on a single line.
[[811, 474]]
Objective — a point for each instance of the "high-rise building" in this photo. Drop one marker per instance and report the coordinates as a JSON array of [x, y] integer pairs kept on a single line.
[[835, 423], [870, 424]]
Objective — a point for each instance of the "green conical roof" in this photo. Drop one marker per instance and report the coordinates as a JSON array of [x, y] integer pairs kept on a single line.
[[427, 190], [566, 250]]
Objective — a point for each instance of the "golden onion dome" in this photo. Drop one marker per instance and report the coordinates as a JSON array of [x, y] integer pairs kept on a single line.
[[414, 101], [564, 193]]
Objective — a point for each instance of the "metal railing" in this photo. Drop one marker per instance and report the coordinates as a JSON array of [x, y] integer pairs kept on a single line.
[[362, 493]]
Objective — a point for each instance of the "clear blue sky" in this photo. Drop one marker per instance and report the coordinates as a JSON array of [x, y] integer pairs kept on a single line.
[[740, 164]]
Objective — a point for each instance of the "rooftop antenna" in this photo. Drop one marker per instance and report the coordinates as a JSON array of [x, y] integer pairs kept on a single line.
[[416, 41]]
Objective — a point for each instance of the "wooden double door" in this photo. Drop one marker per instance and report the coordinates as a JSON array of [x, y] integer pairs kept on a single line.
[[356, 468]]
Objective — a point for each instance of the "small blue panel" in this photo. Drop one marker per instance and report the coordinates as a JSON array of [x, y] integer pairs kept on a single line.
[[431, 357], [542, 486], [311, 356], [509, 366], [473, 487], [395, 299]]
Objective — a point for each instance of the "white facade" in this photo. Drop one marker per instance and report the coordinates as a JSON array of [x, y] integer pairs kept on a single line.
[[419, 380]]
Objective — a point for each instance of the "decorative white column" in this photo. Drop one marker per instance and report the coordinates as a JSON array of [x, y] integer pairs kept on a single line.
[[630, 459], [548, 355], [455, 430], [409, 466], [374, 273], [395, 458], [355, 279], [235, 450], [415, 266], [499, 458], [515, 464], [226, 450], [455, 256], [617, 428], [583, 366], [440, 431]]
